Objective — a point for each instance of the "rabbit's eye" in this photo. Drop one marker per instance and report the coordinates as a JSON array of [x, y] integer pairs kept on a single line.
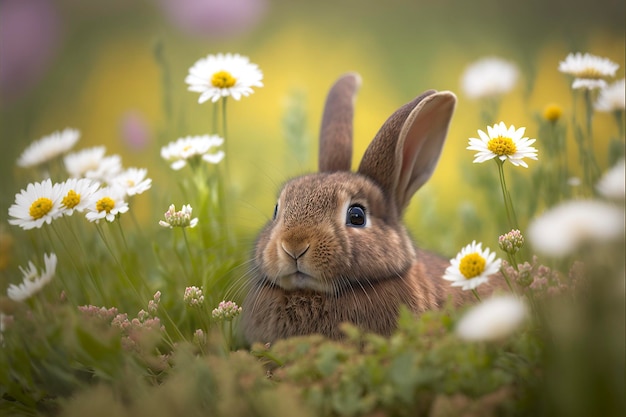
[[275, 211], [356, 216]]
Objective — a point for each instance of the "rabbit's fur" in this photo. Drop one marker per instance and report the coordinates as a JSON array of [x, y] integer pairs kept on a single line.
[[313, 269]]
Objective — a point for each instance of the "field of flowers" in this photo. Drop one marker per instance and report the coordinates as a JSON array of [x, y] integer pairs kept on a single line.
[[131, 207]]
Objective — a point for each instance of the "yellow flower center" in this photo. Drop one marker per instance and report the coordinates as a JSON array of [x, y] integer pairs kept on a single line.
[[472, 265], [223, 79], [589, 73], [552, 112], [71, 200], [105, 204], [130, 183], [502, 146], [40, 208]]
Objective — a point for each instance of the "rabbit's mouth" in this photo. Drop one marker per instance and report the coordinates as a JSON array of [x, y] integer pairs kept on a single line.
[[299, 280]]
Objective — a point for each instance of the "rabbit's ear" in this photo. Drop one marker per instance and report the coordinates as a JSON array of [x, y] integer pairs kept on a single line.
[[405, 151], [335, 153]]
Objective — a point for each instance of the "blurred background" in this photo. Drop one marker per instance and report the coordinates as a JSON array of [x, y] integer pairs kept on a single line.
[[115, 70]]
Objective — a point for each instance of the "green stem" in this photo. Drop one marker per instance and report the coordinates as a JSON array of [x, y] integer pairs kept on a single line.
[[508, 204], [593, 168], [476, 294], [191, 257]]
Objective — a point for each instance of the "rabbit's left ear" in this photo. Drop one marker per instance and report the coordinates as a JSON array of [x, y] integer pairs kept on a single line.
[[404, 153]]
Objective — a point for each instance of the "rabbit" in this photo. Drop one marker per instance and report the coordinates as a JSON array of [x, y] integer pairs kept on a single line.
[[336, 249]]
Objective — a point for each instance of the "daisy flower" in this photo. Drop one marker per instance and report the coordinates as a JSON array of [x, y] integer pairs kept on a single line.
[[222, 75], [107, 203], [77, 194], [190, 148], [133, 181], [40, 203], [107, 169], [489, 77], [33, 281], [612, 183], [612, 97], [504, 144], [77, 164], [492, 319], [48, 147], [564, 228], [472, 267], [181, 218], [588, 70]]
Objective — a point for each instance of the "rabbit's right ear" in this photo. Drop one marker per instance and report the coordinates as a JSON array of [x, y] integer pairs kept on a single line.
[[405, 151], [335, 153]]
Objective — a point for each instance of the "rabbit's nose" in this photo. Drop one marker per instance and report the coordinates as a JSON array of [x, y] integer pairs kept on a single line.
[[295, 250]]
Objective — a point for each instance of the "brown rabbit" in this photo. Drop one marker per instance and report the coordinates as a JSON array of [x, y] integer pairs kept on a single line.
[[336, 250]]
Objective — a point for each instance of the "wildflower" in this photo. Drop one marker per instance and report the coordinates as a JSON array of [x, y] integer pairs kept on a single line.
[[493, 319], [77, 194], [77, 164], [133, 181], [181, 218], [32, 281], [562, 229], [199, 338], [48, 147], [226, 310], [99, 313], [552, 112], [588, 70], [108, 168], [40, 203], [504, 144], [107, 204], [153, 305], [489, 77], [472, 267], [612, 97], [511, 242], [222, 75], [193, 296], [611, 185], [192, 148]]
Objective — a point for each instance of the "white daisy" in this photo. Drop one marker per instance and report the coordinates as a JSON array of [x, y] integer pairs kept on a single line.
[[504, 144], [489, 77], [588, 70], [133, 181], [192, 148], [220, 75], [80, 162], [472, 267], [107, 203], [612, 183], [77, 194], [40, 203], [32, 281], [181, 218], [564, 228], [108, 168], [612, 97], [48, 147], [492, 319]]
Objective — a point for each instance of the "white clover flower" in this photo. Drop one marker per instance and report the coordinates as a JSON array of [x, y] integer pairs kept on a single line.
[[493, 319], [220, 75], [511, 242], [40, 203], [181, 218], [193, 296], [191, 148], [472, 267], [107, 203], [489, 77], [588, 70], [226, 310], [32, 281], [563, 228], [612, 97], [77, 194], [503, 143], [132, 180], [78, 163], [48, 147], [612, 184]]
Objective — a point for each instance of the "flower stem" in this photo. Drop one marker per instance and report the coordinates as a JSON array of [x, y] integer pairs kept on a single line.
[[476, 294], [191, 258], [508, 204]]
